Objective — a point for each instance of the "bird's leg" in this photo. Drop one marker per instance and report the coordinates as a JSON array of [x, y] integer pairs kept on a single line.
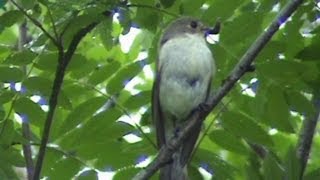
[[203, 107]]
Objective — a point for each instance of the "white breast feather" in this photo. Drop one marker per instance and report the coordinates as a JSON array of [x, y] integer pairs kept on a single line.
[[181, 59]]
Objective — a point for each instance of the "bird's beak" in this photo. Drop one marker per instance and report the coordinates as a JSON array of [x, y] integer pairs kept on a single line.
[[212, 30]]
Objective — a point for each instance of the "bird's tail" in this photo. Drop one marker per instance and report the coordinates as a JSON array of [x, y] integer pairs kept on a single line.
[[177, 169]]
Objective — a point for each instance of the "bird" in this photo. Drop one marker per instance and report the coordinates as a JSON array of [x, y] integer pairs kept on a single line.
[[185, 68]]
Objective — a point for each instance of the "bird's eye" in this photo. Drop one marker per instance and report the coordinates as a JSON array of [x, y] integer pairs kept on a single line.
[[193, 24]]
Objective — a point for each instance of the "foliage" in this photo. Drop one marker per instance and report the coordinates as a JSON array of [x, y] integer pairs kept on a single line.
[[107, 89]]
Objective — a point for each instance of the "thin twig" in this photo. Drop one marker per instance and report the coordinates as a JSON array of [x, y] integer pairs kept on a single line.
[[52, 23], [306, 136], [27, 153], [153, 8], [241, 68], [36, 23], [64, 60], [52, 105], [211, 122], [59, 150]]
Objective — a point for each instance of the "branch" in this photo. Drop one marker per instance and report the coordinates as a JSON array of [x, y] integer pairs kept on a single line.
[[27, 153], [37, 23], [155, 8], [306, 137], [53, 24], [64, 59], [241, 68]]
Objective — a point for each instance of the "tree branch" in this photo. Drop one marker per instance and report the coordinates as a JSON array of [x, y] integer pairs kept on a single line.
[[27, 153], [36, 23], [64, 59], [155, 8], [241, 68], [306, 137], [55, 31]]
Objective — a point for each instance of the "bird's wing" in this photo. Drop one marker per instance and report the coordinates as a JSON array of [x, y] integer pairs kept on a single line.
[[157, 114], [189, 145]]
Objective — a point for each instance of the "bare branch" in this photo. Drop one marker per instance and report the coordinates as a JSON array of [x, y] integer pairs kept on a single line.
[[27, 153], [305, 139], [64, 59], [241, 68]]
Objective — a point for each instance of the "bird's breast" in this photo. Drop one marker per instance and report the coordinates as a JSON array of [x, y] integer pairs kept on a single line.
[[186, 66]]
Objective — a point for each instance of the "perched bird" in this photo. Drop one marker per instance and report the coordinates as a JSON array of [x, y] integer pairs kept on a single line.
[[184, 71]]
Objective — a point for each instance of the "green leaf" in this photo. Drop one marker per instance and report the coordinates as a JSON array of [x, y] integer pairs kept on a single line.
[[65, 168], [292, 37], [315, 174], [88, 175], [122, 77], [53, 155], [10, 18], [21, 58], [147, 18], [252, 168], [142, 41], [43, 87], [82, 71], [8, 37], [221, 169], [243, 126], [282, 72], [267, 5], [33, 112], [271, 51], [105, 32], [7, 132], [38, 85], [103, 72], [82, 112], [292, 165], [219, 8], [76, 91], [138, 100], [2, 113], [310, 52], [189, 7], [78, 61], [104, 133], [49, 62], [127, 173], [124, 20], [6, 96], [28, 4], [272, 169], [299, 102], [228, 141], [100, 124], [10, 74], [12, 156], [5, 51], [7, 172], [194, 173], [167, 3], [77, 23], [277, 110], [244, 28]]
